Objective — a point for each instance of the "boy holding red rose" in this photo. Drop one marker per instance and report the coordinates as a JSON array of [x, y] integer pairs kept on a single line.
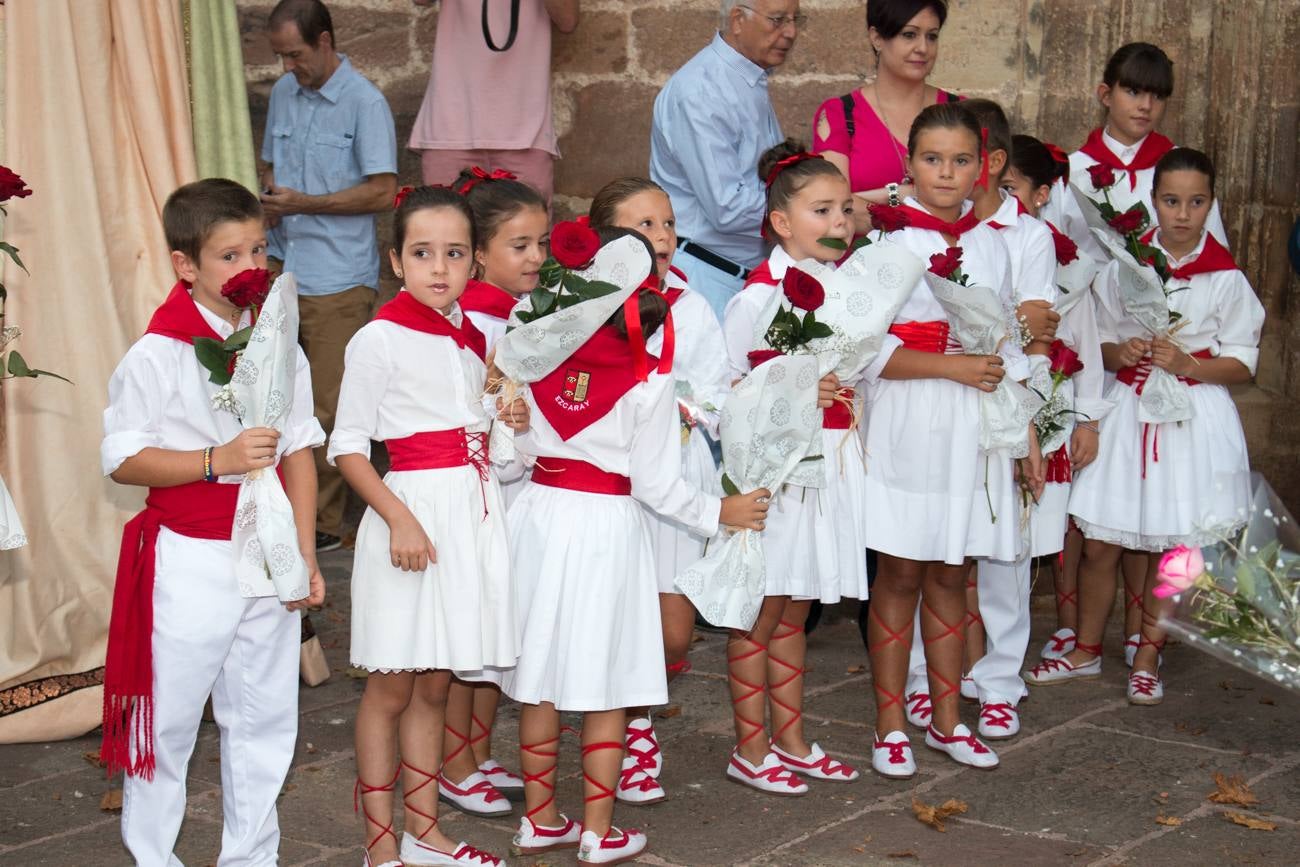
[[181, 627]]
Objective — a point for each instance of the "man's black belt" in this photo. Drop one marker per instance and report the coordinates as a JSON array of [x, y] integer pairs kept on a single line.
[[708, 257]]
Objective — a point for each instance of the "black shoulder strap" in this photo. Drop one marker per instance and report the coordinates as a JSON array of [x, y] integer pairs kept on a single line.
[[847, 101]]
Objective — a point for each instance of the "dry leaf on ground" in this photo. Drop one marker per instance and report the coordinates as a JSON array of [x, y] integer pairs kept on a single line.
[[669, 712], [934, 816], [855, 669], [1171, 821], [92, 756], [697, 637], [1250, 822], [1232, 790], [112, 801], [908, 853]]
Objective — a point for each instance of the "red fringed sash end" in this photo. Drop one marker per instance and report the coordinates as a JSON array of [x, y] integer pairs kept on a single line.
[[128, 719]]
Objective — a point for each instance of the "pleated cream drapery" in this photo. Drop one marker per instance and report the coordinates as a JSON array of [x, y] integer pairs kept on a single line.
[[97, 121]]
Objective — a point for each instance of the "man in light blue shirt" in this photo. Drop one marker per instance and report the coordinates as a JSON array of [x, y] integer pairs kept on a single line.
[[332, 154], [712, 121]]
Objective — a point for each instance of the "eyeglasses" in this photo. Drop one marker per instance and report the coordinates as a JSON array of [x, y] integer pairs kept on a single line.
[[779, 22]]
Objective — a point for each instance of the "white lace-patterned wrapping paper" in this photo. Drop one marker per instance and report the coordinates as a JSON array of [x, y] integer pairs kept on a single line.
[[265, 538], [769, 424], [12, 534], [980, 323]]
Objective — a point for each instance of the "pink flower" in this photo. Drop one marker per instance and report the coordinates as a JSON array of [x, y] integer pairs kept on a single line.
[[1178, 570]]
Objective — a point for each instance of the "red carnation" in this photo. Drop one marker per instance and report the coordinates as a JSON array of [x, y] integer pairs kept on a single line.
[[12, 186], [1101, 176], [803, 290], [1063, 361], [1066, 250], [248, 288], [1132, 220], [947, 263], [574, 245], [758, 356], [888, 219]]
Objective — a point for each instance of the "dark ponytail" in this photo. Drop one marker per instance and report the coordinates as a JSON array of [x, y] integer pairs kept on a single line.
[[652, 306], [1032, 159]]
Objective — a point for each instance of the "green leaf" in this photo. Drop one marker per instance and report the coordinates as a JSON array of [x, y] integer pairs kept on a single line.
[[729, 486], [13, 254], [238, 340], [543, 301], [572, 282], [818, 330], [17, 366], [833, 243], [859, 244], [214, 358], [597, 289], [550, 272], [524, 316]]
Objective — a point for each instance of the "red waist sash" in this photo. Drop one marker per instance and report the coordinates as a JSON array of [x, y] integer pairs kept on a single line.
[[1136, 378], [839, 415], [922, 336], [200, 510], [579, 476], [439, 449]]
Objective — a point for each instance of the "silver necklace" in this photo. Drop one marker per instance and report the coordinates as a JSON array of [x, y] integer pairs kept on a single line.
[[902, 166]]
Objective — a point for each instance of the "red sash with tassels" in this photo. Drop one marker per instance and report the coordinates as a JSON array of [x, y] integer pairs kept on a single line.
[[1153, 148]]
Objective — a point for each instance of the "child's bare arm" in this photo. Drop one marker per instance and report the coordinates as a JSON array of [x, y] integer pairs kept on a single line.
[[165, 468], [409, 545], [299, 469]]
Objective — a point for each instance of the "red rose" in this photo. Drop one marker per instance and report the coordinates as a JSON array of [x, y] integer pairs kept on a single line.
[[888, 219], [945, 264], [1063, 361], [248, 288], [803, 290], [12, 186], [758, 356], [1132, 220], [1066, 250], [1101, 176], [574, 245]]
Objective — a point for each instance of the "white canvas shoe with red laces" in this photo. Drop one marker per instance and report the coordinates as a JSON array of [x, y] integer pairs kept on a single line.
[[417, 854], [508, 784], [535, 839], [1145, 688], [816, 765], [770, 776], [962, 747], [1053, 671], [917, 707], [892, 756], [474, 795], [615, 847], [998, 720], [635, 785], [1059, 644], [639, 740]]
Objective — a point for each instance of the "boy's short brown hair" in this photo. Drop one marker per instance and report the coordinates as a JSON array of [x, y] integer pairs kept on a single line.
[[194, 210]]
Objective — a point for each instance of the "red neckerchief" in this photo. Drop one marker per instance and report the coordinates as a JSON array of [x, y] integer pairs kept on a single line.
[[481, 297], [1020, 209], [1213, 257], [1153, 148], [920, 219], [404, 310], [672, 293], [199, 510], [584, 388], [762, 274]]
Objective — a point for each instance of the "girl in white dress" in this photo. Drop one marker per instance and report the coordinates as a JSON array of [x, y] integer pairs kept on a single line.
[[932, 494], [512, 232], [1156, 486], [814, 546], [606, 438], [431, 588], [702, 383]]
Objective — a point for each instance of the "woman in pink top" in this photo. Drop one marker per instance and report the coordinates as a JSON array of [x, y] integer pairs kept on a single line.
[[488, 102], [867, 142]]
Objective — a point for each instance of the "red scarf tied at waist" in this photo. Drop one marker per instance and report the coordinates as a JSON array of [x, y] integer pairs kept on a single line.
[[923, 336], [441, 449], [1136, 377], [1153, 148]]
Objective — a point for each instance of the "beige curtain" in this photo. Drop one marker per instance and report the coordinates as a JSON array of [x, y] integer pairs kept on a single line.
[[97, 121]]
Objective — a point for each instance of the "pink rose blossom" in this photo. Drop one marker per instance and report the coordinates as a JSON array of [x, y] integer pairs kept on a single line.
[[1178, 570]]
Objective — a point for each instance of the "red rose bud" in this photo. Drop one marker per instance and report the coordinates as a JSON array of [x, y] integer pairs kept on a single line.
[[574, 245], [1063, 362], [12, 186], [888, 219], [1128, 222], [1066, 250], [803, 290], [759, 356], [1101, 176], [248, 288], [945, 264]]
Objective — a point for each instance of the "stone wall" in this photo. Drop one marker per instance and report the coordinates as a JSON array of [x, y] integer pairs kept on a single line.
[[1040, 58]]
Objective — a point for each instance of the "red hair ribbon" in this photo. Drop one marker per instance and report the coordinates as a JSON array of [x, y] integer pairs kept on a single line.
[[983, 181], [784, 164], [1056, 153], [583, 220], [636, 336], [478, 175], [401, 196]]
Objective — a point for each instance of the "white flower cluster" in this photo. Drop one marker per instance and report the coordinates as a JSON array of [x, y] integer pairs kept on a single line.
[[224, 399]]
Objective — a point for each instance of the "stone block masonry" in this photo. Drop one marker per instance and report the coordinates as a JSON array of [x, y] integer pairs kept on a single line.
[[1235, 97]]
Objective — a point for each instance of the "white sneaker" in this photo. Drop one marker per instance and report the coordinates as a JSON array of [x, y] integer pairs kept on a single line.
[[615, 847], [917, 707], [1053, 671], [770, 776], [368, 863], [1061, 643], [999, 720], [417, 854], [892, 757], [639, 740], [508, 784], [1131, 648], [962, 747], [636, 786], [474, 795], [1145, 688], [968, 690], [535, 839], [817, 765]]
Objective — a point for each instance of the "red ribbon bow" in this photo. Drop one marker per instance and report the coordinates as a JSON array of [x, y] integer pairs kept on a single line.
[[983, 181], [479, 175], [784, 164], [401, 196], [1057, 154], [636, 336]]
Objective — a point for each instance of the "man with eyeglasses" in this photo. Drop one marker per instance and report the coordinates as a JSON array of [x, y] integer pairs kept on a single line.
[[712, 121]]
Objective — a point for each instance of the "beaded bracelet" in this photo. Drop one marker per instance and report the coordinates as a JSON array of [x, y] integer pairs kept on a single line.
[[207, 465], [1089, 425]]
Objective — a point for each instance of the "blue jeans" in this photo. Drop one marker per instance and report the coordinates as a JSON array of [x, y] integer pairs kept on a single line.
[[716, 286]]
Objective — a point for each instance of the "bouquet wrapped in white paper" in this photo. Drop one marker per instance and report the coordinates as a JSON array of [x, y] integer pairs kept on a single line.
[[264, 535], [11, 526]]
